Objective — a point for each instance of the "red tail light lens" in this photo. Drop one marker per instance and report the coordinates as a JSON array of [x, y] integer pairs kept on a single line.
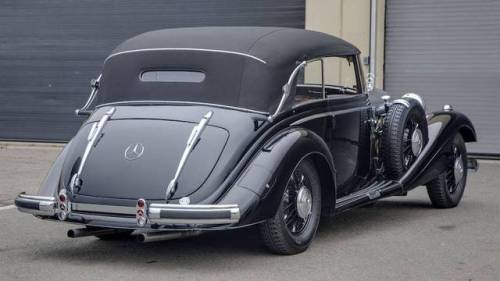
[[141, 203]]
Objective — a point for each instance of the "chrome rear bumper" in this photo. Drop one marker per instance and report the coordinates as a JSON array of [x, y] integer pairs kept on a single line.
[[36, 205], [158, 215]]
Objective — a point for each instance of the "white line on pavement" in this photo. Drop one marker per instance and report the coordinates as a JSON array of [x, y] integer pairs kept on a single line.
[[7, 207]]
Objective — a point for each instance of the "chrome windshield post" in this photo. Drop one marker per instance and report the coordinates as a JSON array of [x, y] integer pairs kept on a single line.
[[286, 90], [94, 135], [193, 139], [94, 85]]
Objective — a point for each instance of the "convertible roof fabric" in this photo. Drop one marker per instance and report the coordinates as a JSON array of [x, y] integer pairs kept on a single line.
[[243, 66]]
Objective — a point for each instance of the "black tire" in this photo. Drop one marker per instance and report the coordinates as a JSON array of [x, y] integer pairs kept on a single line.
[[400, 123], [446, 190], [279, 233]]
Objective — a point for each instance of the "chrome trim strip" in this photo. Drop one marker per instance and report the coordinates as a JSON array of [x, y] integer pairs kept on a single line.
[[193, 139], [186, 49], [312, 117], [324, 114], [127, 103], [109, 209], [36, 197]]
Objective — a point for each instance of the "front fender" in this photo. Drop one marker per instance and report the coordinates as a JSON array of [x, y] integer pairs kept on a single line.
[[443, 126], [259, 189]]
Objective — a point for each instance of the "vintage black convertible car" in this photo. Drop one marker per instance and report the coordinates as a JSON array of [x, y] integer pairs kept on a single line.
[[199, 129]]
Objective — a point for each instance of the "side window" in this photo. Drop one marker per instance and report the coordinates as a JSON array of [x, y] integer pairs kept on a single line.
[[338, 73]]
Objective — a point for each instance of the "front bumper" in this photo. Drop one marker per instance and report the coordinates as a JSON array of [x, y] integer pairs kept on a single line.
[[158, 215]]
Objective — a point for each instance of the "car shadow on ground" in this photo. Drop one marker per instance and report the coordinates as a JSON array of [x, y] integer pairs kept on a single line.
[[207, 250]]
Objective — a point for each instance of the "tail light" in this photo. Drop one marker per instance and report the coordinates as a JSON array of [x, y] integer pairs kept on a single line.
[[140, 214], [62, 205]]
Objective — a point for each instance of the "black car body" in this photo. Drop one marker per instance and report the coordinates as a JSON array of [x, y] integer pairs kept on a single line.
[[144, 162]]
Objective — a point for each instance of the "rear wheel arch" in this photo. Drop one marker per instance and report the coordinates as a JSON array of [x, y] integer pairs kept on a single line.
[[327, 180], [281, 158]]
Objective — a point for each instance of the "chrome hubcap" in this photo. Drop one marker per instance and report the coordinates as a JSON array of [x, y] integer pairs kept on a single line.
[[458, 169], [304, 202], [417, 141]]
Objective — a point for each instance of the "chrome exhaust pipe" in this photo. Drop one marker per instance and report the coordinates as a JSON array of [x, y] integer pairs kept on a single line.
[[83, 232], [165, 235]]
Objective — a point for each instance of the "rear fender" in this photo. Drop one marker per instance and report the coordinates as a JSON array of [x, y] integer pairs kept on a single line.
[[260, 187], [50, 185], [443, 126]]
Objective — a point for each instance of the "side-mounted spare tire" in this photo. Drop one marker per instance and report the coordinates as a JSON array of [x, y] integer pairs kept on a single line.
[[404, 136]]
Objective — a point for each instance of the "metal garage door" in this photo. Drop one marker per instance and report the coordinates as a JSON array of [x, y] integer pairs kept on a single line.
[[49, 50], [449, 52]]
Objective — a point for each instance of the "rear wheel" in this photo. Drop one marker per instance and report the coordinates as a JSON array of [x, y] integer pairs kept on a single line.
[[294, 225], [447, 189]]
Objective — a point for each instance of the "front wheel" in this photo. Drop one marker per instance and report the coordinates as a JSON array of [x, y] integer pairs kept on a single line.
[[294, 225], [447, 189]]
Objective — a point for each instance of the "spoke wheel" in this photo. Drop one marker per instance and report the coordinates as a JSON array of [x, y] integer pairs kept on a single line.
[[297, 200], [293, 227], [447, 189]]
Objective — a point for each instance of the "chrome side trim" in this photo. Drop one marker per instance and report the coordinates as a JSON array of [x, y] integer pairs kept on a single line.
[[325, 114], [186, 49], [132, 102], [191, 143]]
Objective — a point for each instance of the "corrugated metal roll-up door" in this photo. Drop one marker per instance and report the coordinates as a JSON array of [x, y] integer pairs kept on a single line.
[[449, 52], [49, 50]]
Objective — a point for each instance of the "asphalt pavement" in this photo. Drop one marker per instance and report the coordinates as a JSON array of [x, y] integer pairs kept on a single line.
[[400, 238]]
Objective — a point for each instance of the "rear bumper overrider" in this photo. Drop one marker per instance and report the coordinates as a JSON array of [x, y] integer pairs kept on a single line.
[[155, 215]]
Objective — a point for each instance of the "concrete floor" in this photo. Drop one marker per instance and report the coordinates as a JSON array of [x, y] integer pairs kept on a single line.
[[400, 238]]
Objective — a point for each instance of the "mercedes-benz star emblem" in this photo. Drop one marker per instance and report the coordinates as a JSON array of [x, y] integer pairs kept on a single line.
[[134, 151]]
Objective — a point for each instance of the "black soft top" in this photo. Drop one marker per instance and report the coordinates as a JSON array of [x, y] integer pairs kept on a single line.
[[242, 66]]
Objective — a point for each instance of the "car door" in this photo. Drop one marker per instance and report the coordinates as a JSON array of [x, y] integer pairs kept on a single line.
[[346, 129]]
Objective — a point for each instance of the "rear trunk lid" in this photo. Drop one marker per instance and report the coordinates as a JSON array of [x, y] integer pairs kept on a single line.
[[137, 158]]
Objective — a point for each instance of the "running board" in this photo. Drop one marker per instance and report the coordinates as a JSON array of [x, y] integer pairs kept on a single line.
[[372, 192]]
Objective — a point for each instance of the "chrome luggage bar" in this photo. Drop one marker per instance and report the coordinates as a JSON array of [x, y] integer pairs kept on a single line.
[[193, 139], [94, 135]]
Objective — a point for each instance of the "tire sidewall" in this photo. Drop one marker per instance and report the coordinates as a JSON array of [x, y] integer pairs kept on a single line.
[[393, 133]]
